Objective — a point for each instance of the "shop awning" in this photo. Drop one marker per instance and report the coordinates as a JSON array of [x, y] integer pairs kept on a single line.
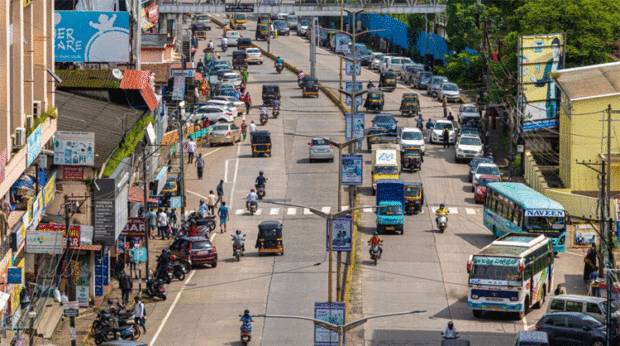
[[136, 195]]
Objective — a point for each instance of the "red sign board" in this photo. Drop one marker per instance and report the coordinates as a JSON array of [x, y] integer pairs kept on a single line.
[[134, 228], [73, 173], [152, 13], [74, 232]]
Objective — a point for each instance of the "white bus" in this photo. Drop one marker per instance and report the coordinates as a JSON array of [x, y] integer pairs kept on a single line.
[[512, 274]]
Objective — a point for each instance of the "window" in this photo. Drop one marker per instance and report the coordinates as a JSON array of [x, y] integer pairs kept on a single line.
[[574, 306], [574, 322], [593, 308], [557, 304], [558, 321]]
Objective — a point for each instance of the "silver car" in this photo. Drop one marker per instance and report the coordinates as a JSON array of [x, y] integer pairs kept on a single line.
[[223, 133], [320, 150], [449, 92], [433, 86]]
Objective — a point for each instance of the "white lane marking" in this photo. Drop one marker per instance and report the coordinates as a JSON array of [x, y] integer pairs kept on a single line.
[[367, 210], [226, 172], [307, 211], [434, 209], [234, 182], [259, 211], [274, 211], [291, 211], [524, 323], [212, 151], [326, 209], [574, 254], [176, 300], [239, 212], [197, 194], [453, 210], [470, 211]]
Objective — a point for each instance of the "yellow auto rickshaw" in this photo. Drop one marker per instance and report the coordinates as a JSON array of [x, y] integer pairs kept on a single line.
[[269, 238], [261, 143], [374, 101], [414, 198], [411, 158], [410, 104]]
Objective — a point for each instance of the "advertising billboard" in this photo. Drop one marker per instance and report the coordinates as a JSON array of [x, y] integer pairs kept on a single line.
[[34, 145], [352, 169], [343, 233], [87, 36], [44, 242], [111, 195], [358, 127], [333, 313], [74, 148], [539, 97]]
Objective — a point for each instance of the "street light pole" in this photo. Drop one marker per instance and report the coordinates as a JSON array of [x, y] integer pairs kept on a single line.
[[341, 328]]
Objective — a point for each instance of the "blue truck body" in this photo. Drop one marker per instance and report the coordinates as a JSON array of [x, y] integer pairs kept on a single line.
[[391, 199]]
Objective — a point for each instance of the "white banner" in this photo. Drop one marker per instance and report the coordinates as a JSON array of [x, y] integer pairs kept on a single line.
[[74, 148]]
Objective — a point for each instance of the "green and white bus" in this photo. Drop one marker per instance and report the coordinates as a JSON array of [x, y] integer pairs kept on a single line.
[[512, 274]]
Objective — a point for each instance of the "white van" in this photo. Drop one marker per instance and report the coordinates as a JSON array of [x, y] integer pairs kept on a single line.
[[591, 306]]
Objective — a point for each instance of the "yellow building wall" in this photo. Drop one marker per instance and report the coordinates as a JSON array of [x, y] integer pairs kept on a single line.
[[587, 143], [565, 148]]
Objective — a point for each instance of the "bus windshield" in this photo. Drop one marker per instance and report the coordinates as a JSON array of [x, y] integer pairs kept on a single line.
[[545, 223], [497, 270]]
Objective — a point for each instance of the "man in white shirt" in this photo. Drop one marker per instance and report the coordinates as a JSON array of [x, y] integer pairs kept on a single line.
[[191, 149], [450, 332], [252, 199], [252, 127], [139, 313], [162, 219]]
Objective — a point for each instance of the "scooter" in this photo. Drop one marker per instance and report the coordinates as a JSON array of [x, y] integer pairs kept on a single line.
[[178, 269], [442, 222], [279, 68], [260, 191], [156, 288], [238, 250], [374, 253], [264, 118], [251, 206], [224, 47], [166, 274], [246, 332], [109, 333], [276, 112]]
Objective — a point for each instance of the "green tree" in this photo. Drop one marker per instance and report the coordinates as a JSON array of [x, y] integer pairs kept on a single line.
[[464, 23]]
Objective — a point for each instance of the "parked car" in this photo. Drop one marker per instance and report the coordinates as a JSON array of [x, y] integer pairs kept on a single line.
[[473, 164], [292, 21], [412, 136], [467, 112], [449, 92], [254, 55], [434, 85], [595, 307], [395, 63], [233, 37], [224, 133], [421, 79], [467, 131], [303, 26], [484, 169], [572, 328], [375, 60], [213, 114], [199, 249], [282, 27], [320, 150], [480, 191], [467, 148], [231, 77], [239, 104], [386, 121], [226, 105], [435, 135]]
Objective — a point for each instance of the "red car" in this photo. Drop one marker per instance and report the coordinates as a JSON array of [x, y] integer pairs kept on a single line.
[[480, 191], [199, 248]]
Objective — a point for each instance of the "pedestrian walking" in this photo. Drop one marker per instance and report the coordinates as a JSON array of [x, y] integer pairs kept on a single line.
[[244, 129], [200, 165], [223, 211], [139, 313], [244, 76], [450, 116], [126, 286], [252, 127], [131, 255], [153, 222], [590, 263], [446, 137], [248, 103], [211, 201], [168, 229], [445, 107], [120, 267], [220, 192], [191, 149], [162, 220]]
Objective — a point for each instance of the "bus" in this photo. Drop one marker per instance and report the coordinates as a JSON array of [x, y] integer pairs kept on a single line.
[[516, 208], [512, 274]]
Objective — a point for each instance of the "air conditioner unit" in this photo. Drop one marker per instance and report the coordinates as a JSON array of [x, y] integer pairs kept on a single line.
[[37, 109], [20, 137], [29, 121]]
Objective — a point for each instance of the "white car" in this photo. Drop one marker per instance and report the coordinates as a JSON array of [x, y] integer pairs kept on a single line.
[[225, 105], [484, 169], [254, 55], [233, 78], [467, 147], [376, 59], [449, 92], [233, 37], [383, 63], [395, 63], [436, 134], [412, 136], [212, 113], [239, 104], [303, 26]]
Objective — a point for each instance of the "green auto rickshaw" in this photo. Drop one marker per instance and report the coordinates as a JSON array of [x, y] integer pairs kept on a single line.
[[410, 104], [374, 101], [414, 198]]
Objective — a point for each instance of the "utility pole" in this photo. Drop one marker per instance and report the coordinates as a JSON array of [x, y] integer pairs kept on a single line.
[[341, 29], [313, 43], [147, 212], [181, 164], [70, 279]]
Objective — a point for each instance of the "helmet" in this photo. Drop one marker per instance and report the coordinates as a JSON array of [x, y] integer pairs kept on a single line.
[[261, 173], [450, 324], [238, 232], [110, 302], [202, 201], [375, 234], [442, 205], [246, 312], [163, 251], [253, 190]]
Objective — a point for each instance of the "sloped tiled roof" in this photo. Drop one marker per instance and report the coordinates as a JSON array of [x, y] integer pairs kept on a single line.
[[160, 70], [590, 81], [108, 121], [87, 79], [139, 80]]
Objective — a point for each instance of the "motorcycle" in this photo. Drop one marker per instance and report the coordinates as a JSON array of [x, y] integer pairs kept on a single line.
[[279, 68], [224, 47], [260, 191], [238, 250], [166, 274], [442, 222], [156, 288], [207, 220], [275, 112], [186, 261], [264, 118], [251, 206], [178, 268], [111, 332], [374, 253], [246, 332]]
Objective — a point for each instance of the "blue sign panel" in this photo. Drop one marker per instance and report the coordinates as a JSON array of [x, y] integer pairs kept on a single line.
[[349, 88], [87, 36], [352, 169], [98, 275], [34, 145], [15, 275], [176, 202], [358, 127], [349, 66], [139, 254], [343, 232], [332, 313]]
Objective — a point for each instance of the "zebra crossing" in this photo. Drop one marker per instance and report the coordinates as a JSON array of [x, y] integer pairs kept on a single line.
[[305, 211]]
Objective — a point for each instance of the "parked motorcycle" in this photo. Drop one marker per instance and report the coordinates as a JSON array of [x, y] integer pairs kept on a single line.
[[260, 191], [165, 274], [442, 222], [279, 68], [178, 269], [375, 253], [111, 331], [206, 221], [156, 288]]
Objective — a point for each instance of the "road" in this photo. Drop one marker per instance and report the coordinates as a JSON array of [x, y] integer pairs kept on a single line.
[[420, 270]]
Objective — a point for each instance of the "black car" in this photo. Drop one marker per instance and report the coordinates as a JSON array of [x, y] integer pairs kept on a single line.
[[386, 121], [373, 135], [270, 93], [572, 328], [282, 27]]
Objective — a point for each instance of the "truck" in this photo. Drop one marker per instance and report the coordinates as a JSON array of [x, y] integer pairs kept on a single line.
[[238, 21], [391, 202], [385, 163]]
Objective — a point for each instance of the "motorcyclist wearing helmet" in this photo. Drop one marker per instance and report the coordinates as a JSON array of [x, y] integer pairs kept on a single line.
[[450, 332], [370, 85], [376, 240], [252, 198], [300, 75], [441, 210], [238, 240], [260, 180], [264, 111], [246, 319], [163, 261], [279, 60], [203, 209]]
